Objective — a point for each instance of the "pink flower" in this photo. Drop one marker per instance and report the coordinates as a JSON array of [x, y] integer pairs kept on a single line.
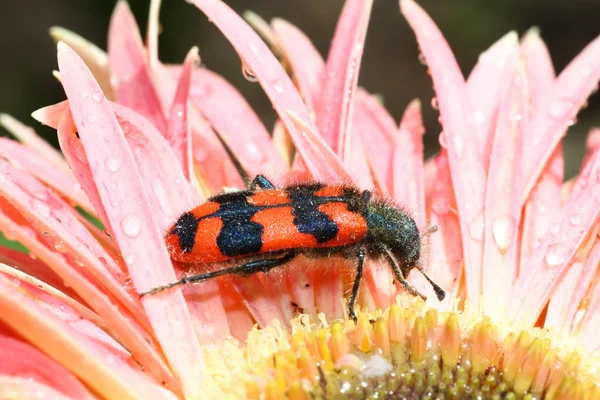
[[142, 142]]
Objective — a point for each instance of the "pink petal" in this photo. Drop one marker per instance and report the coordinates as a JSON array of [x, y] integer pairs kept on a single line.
[[239, 317], [466, 168], [301, 286], [565, 302], [133, 224], [334, 109], [178, 132], [263, 28], [446, 260], [130, 73], [152, 34], [379, 284], [549, 123], [590, 325], [542, 207], [61, 180], [22, 360], [550, 261], [328, 289], [119, 322], [409, 185], [538, 64], [104, 372], [29, 138], [592, 145], [503, 210], [487, 84], [94, 57], [237, 124], [260, 299], [305, 60], [282, 143], [26, 389], [277, 85]]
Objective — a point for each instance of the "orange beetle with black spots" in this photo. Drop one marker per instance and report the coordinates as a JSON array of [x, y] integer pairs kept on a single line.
[[278, 224]]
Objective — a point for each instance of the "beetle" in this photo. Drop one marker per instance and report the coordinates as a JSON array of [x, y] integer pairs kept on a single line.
[[312, 219]]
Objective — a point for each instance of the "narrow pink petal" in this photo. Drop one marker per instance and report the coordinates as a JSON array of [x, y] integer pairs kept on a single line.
[[63, 181], [550, 121], [486, 85], [538, 64], [590, 324], [446, 260], [379, 282], [152, 34], [329, 289], [133, 224], [178, 132], [565, 302], [301, 286], [409, 184], [357, 164], [305, 60], [260, 299], [340, 76], [277, 85], [24, 361], [542, 207], [130, 72], [51, 115], [282, 143], [104, 373], [550, 261], [592, 145], [237, 124], [27, 389], [120, 324], [61, 296], [94, 57], [466, 167], [29, 138], [502, 209]]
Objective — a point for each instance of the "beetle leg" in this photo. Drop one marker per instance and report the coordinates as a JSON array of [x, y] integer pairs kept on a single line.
[[244, 270], [260, 181], [398, 274], [356, 285]]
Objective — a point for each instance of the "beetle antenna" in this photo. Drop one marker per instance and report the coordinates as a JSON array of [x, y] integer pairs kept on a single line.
[[439, 292], [431, 229]]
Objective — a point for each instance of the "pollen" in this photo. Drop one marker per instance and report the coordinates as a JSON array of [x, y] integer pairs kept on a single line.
[[408, 351]]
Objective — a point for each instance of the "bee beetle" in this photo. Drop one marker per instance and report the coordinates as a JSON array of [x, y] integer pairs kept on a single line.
[[312, 219]]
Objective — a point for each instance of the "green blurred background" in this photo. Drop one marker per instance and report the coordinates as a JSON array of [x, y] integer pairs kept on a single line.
[[390, 65]]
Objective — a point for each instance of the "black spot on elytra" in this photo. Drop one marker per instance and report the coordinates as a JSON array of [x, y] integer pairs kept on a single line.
[[307, 217], [239, 235], [185, 229]]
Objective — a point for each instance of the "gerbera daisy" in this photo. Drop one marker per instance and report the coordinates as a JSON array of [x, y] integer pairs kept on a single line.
[[141, 142]]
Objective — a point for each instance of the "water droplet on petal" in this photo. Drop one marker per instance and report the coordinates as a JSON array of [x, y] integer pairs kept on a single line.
[[441, 206], [559, 108], [422, 58], [91, 119], [442, 140], [84, 94], [112, 164], [278, 86], [435, 104], [479, 117], [249, 73], [98, 96], [40, 208], [502, 230], [131, 225], [459, 145], [575, 219], [557, 254], [477, 228], [130, 259]]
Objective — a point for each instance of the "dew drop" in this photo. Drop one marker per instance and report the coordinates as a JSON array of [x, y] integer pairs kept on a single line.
[[60, 246], [435, 103], [459, 145], [442, 140], [131, 225], [559, 108], [278, 86], [91, 119], [130, 259], [40, 208], [98, 96], [575, 219], [502, 230], [84, 94], [441, 206], [479, 117], [112, 164], [422, 58], [557, 254], [249, 73], [477, 227]]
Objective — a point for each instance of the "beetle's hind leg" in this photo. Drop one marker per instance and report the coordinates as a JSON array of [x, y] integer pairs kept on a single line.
[[244, 270], [356, 285], [261, 181]]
